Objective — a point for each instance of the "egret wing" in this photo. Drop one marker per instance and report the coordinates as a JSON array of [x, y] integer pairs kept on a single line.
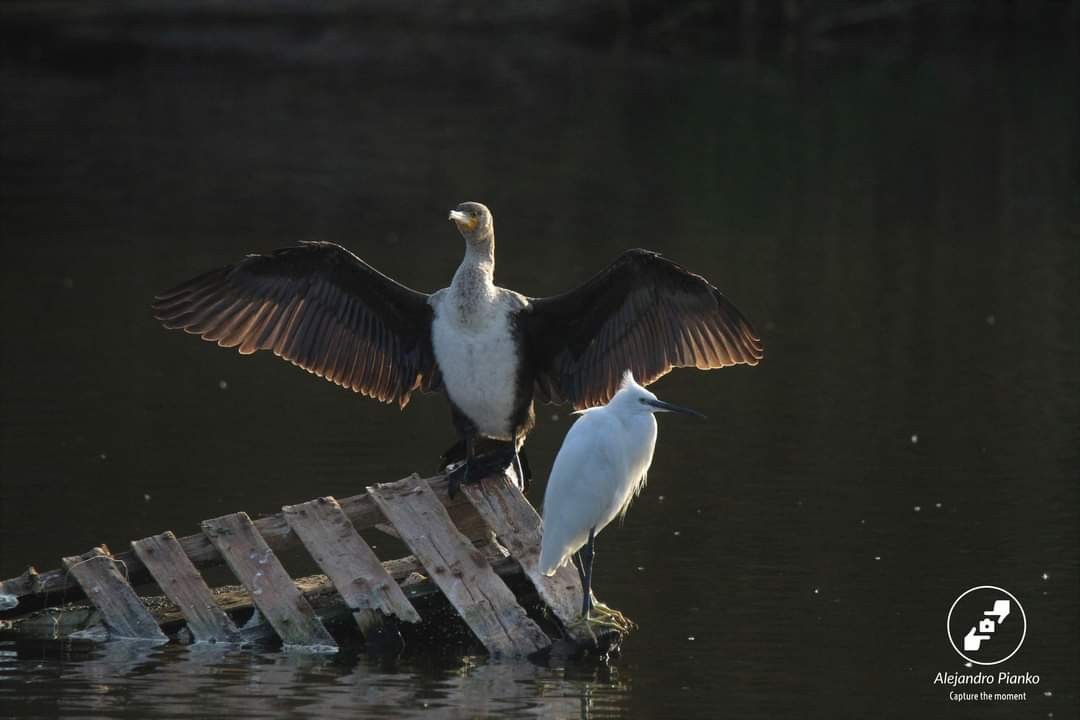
[[320, 307], [643, 313], [574, 498]]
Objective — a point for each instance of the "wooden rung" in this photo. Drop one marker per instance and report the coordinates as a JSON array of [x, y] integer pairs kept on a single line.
[[174, 572], [349, 562], [480, 596], [360, 509], [123, 612], [271, 588], [518, 528]]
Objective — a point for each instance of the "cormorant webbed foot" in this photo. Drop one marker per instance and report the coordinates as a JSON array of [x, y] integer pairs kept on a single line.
[[478, 468]]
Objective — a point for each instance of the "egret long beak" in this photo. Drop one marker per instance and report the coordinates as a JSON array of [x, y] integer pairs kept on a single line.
[[462, 219], [668, 407]]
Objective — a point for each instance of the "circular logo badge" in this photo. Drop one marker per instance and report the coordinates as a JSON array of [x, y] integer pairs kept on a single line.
[[986, 625]]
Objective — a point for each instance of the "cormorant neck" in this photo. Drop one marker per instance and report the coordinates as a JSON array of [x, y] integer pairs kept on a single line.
[[481, 250], [480, 256], [475, 276]]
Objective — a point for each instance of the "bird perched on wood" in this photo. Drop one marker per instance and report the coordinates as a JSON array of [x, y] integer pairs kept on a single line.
[[600, 468], [491, 350]]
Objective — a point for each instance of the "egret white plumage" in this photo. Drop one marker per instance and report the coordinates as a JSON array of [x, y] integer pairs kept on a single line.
[[600, 468], [490, 349]]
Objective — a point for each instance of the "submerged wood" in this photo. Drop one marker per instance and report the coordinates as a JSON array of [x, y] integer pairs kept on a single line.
[[184, 586], [72, 621], [122, 610], [272, 590], [60, 586]]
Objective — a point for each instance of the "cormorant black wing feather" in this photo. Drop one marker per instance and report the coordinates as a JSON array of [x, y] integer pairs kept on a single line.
[[643, 313], [320, 307]]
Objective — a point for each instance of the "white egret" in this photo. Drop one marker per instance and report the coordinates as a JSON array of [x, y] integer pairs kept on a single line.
[[600, 468]]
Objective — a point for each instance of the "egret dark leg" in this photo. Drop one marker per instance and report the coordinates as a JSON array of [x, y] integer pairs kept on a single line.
[[579, 565], [586, 556]]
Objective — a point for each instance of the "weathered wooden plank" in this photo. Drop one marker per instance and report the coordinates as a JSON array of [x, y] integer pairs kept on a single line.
[[518, 527], [480, 596], [57, 623], [271, 588], [122, 610], [349, 562], [62, 622], [360, 509], [180, 581]]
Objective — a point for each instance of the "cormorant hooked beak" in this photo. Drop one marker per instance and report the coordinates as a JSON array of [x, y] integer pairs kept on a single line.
[[668, 407], [463, 220]]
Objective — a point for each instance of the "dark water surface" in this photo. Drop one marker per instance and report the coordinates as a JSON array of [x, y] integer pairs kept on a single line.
[[902, 227]]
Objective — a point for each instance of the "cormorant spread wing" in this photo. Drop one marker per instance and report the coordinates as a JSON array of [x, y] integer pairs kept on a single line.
[[643, 313], [320, 307]]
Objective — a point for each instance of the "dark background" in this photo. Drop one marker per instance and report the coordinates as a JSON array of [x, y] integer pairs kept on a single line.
[[890, 192]]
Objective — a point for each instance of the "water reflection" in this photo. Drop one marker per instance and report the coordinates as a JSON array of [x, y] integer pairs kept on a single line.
[[212, 681]]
